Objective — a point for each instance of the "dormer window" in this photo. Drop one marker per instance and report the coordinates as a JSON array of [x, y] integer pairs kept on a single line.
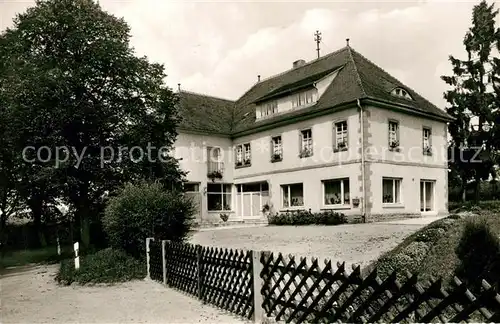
[[303, 98], [267, 109], [402, 93]]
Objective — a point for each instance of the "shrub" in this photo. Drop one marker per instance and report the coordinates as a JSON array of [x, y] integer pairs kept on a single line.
[[487, 205], [479, 253], [224, 217], [146, 210], [307, 218], [105, 266]]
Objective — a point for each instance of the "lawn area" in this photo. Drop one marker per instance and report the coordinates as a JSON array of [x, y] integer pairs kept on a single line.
[[434, 251], [23, 257], [352, 243]]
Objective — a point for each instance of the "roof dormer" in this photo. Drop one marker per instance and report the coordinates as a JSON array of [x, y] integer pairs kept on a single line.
[[402, 93]]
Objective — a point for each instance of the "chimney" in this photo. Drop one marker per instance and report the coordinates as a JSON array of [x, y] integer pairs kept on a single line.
[[298, 63], [258, 78]]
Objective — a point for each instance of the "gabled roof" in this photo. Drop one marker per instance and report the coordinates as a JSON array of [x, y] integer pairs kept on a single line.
[[202, 113], [358, 78]]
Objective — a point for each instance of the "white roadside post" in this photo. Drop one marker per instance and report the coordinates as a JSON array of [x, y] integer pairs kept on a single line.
[[76, 247], [148, 240], [58, 246]]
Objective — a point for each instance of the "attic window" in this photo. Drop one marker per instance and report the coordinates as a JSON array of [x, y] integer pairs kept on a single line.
[[400, 92]]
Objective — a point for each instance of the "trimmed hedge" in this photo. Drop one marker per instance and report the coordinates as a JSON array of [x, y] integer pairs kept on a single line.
[[104, 266], [307, 218], [489, 205]]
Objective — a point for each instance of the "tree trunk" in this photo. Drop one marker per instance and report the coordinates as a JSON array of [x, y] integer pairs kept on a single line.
[[477, 187], [36, 211], [85, 228], [464, 190]]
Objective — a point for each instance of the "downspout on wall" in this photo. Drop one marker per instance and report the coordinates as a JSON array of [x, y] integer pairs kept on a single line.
[[361, 124]]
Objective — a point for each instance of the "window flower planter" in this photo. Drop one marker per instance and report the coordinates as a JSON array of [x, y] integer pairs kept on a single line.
[[214, 175], [394, 146], [305, 153], [276, 158]]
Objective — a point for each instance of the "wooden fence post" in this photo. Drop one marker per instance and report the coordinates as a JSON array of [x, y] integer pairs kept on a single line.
[[163, 260], [258, 283], [148, 240], [199, 272]]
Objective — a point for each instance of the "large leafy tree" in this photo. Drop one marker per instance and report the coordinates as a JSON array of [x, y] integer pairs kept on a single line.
[[473, 102], [74, 83]]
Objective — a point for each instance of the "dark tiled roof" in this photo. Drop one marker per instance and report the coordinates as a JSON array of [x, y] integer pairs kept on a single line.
[[204, 113], [295, 86], [358, 78], [378, 84]]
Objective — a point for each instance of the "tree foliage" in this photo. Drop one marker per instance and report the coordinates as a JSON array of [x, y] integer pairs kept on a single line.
[[146, 210], [70, 79], [474, 101]]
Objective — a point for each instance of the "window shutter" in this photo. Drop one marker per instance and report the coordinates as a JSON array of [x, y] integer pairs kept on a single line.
[[334, 135], [300, 141], [346, 133]]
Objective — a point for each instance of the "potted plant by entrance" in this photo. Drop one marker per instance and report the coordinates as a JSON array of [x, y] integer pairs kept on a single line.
[[266, 209]]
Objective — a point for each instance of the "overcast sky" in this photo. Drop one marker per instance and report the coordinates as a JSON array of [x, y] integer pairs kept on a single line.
[[219, 48]]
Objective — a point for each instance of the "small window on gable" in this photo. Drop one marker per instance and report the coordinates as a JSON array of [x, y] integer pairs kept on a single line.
[[402, 93]]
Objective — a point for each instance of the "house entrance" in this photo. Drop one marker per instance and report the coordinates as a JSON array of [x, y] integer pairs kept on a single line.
[[250, 199], [426, 196]]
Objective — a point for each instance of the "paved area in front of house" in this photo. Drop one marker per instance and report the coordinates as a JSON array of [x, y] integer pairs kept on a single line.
[[352, 243]]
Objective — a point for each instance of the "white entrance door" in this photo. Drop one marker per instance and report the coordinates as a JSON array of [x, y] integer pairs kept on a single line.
[[251, 199], [427, 196]]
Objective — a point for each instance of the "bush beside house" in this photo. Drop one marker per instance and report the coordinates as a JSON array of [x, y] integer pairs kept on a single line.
[[146, 210], [135, 213], [307, 218]]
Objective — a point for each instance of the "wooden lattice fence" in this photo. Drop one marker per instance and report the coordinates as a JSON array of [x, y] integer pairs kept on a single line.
[[220, 277], [307, 291], [261, 284]]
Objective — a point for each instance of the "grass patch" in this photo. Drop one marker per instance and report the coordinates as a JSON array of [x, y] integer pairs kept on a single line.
[[443, 248], [43, 255], [105, 266]]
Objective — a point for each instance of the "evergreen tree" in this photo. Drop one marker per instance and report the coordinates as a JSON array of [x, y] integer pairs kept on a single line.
[[473, 101]]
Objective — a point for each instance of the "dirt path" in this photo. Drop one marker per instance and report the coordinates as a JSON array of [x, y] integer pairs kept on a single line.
[[31, 296]]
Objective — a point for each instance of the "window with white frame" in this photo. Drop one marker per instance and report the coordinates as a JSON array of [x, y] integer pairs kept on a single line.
[[393, 134], [341, 135], [306, 143], [269, 108], [191, 187], [292, 195], [243, 154], [239, 155], [303, 98], [218, 197], [277, 149], [336, 192], [248, 154], [426, 140], [391, 190]]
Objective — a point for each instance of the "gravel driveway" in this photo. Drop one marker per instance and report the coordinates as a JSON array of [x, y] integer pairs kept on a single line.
[[32, 296], [352, 243]]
